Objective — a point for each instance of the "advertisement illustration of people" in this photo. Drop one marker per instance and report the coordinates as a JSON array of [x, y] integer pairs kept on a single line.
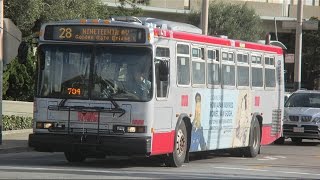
[[197, 138], [240, 136]]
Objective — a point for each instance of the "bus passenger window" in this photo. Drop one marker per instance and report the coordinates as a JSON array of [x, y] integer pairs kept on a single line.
[[243, 76], [183, 64], [270, 77], [228, 75], [213, 74], [198, 66], [256, 71], [198, 72], [257, 77], [183, 70]]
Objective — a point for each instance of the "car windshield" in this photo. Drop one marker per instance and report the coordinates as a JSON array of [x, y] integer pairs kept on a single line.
[[304, 100], [102, 73]]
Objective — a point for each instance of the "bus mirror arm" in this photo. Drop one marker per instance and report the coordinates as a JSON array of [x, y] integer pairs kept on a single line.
[[122, 112]]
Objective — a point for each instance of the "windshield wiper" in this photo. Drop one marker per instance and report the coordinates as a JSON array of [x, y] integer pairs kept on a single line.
[[62, 102]]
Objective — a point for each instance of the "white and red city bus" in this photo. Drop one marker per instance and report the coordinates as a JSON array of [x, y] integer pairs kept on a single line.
[[150, 87]]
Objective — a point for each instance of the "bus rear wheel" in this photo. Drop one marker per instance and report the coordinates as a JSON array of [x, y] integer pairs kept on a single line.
[[177, 158], [254, 140], [74, 156]]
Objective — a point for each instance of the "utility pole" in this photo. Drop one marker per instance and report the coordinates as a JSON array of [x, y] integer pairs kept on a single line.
[[204, 17], [298, 47], [1, 65]]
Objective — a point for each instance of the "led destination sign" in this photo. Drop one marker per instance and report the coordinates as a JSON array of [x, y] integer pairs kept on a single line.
[[91, 33]]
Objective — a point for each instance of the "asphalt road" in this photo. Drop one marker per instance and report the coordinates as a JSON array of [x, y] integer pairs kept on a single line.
[[274, 162]]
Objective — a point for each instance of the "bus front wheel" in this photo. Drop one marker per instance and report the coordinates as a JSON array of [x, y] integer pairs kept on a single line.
[[177, 158], [254, 140], [74, 156]]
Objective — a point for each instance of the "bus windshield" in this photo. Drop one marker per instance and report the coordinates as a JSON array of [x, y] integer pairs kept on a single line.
[[95, 72]]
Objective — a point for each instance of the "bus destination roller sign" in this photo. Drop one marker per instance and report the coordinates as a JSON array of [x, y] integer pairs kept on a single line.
[[90, 33]]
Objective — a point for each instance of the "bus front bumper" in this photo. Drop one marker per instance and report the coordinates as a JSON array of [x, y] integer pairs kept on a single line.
[[118, 145]]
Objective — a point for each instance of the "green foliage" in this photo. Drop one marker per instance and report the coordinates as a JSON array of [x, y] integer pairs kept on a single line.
[[19, 80], [16, 122], [237, 21], [23, 13], [123, 11], [29, 15]]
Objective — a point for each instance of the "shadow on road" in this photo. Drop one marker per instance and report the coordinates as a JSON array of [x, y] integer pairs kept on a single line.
[[303, 143]]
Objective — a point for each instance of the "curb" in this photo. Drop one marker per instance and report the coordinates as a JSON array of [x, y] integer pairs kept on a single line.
[[16, 131]]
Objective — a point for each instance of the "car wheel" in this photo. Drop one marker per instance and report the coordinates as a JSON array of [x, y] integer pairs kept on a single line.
[[254, 140], [279, 141], [177, 158], [296, 140], [74, 156]]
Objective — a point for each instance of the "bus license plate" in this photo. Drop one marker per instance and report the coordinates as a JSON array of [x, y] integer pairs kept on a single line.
[[298, 129], [88, 116]]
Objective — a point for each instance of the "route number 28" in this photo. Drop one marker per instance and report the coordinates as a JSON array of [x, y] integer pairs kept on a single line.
[[65, 33]]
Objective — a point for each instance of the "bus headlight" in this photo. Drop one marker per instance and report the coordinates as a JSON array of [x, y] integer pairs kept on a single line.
[[44, 125], [129, 129]]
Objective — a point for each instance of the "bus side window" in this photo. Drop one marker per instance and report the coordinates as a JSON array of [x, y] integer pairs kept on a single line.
[[183, 64], [162, 71], [270, 72]]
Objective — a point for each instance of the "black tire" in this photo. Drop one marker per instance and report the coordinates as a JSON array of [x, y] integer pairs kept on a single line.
[[177, 158], [237, 152], [296, 140], [254, 140], [74, 156], [279, 141]]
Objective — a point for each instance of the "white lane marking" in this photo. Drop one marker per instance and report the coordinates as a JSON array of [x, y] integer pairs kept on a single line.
[[250, 169], [280, 157], [267, 158]]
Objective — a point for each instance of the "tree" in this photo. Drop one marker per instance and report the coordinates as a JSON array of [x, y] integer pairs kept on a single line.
[[237, 21], [29, 15], [19, 80]]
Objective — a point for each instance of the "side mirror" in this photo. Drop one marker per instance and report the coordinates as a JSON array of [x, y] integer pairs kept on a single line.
[[163, 70], [23, 51]]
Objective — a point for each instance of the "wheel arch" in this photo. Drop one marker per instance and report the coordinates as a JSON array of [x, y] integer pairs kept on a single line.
[[187, 121]]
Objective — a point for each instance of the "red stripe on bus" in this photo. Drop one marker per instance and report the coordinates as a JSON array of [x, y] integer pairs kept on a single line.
[[262, 47], [216, 40], [201, 38], [162, 142], [267, 138]]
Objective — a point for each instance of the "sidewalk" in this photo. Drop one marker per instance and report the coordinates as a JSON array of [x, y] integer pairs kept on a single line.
[[15, 141]]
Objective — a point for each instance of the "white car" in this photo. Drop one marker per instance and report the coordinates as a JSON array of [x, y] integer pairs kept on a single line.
[[301, 116]]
